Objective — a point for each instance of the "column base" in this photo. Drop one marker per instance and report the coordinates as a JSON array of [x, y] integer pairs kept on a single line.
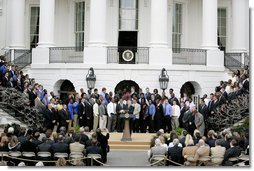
[[215, 58], [40, 55], [95, 55], [238, 50], [45, 44], [210, 47], [17, 46], [160, 55]]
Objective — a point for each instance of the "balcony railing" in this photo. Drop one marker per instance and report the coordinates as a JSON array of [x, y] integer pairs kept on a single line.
[[7, 55], [184, 56], [234, 61], [66, 55], [22, 57], [140, 55]]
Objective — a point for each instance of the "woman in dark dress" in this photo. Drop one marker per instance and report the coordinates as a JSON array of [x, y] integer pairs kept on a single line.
[[143, 115], [158, 115]]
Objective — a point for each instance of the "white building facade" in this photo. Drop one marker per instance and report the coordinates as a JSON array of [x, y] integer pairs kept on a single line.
[[189, 38]]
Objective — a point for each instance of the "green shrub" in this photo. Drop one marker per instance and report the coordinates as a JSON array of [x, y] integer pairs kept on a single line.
[[241, 128]]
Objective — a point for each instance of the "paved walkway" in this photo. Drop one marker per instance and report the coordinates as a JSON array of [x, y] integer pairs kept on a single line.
[[127, 158]]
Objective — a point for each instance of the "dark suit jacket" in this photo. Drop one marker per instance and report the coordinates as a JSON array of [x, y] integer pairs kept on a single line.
[[44, 147], [119, 108], [222, 100], [62, 117], [232, 152], [246, 85], [48, 115], [83, 139], [204, 111], [211, 142], [88, 110], [93, 149], [81, 110], [60, 147], [175, 154], [32, 97], [4, 82], [28, 147]]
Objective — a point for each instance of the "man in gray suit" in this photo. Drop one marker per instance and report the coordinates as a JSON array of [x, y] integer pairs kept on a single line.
[[158, 149], [199, 121]]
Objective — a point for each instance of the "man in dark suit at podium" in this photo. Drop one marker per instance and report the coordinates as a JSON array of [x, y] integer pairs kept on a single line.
[[120, 109]]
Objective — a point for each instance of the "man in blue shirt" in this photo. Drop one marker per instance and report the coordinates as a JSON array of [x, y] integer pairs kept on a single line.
[[103, 94], [151, 113], [167, 111]]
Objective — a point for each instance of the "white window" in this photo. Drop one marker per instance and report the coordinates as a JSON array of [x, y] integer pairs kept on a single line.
[[34, 26], [79, 25], [128, 15], [222, 28], [177, 26]]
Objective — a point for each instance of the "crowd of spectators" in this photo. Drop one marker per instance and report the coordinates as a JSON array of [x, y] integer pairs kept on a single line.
[[214, 149], [14, 138]]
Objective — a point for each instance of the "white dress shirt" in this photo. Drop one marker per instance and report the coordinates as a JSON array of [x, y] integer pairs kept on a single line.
[[176, 110], [111, 108]]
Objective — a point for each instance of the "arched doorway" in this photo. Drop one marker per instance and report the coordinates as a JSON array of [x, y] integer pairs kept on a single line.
[[188, 89], [193, 90], [125, 84], [63, 87]]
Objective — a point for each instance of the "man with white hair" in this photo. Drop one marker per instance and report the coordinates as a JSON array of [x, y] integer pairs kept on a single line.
[[199, 121], [175, 152], [158, 149], [202, 151]]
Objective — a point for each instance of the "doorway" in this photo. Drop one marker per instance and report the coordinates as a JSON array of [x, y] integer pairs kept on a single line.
[[125, 84]]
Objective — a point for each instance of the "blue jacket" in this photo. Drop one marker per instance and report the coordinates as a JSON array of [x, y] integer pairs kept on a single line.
[[70, 110]]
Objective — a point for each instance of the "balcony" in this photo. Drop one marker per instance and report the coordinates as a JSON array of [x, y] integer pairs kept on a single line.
[[128, 55], [234, 61], [184, 56], [66, 55]]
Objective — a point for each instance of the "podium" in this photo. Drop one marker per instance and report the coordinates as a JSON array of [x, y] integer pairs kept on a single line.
[[126, 132]]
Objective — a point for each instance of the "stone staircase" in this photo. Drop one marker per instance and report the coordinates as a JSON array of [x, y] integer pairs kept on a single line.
[[140, 141], [10, 119]]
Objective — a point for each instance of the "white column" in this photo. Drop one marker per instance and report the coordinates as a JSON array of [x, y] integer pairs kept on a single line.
[[17, 24], [96, 51], [159, 27], [47, 21], [240, 21], [159, 51], [97, 36], [215, 57], [209, 23]]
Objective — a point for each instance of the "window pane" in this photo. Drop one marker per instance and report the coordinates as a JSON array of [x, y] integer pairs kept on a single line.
[[34, 26], [222, 27], [128, 15], [79, 25], [177, 25]]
